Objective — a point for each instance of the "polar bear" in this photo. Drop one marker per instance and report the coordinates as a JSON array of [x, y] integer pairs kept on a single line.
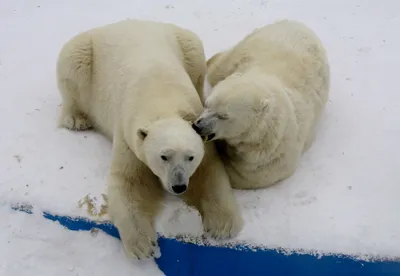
[[135, 82], [268, 94]]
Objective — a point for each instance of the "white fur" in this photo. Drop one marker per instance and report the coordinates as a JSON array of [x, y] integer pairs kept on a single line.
[[135, 81], [268, 94]]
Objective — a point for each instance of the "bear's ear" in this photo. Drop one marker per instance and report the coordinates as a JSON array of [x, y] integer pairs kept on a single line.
[[142, 133], [263, 105]]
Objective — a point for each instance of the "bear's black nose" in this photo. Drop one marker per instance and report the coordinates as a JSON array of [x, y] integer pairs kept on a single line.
[[178, 189], [196, 128]]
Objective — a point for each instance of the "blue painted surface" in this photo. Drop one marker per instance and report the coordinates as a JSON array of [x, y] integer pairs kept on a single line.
[[179, 258]]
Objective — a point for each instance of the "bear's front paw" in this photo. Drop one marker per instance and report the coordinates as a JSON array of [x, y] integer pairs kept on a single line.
[[140, 246], [222, 226]]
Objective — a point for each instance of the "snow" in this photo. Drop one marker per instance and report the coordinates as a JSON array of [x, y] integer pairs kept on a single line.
[[31, 245], [342, 199]]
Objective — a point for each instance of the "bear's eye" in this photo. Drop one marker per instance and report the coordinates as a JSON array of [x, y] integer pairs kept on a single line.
[[191, 158], [164, 158], [222, 116]]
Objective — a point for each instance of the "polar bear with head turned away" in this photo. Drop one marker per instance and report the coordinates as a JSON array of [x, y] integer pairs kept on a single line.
[[268, 94]]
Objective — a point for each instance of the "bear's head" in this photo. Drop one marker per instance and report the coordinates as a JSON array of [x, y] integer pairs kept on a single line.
[[234, 109], [172, 150]]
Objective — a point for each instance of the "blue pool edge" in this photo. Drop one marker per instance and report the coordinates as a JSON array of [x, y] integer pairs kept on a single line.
[[182, 258]]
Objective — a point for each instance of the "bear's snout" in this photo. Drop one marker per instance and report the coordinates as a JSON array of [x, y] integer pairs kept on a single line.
[[205, 131], [179, 180], [178, 189], [196, 127]]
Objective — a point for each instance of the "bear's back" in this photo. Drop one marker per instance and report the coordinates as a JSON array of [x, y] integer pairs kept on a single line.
[[132, 61]]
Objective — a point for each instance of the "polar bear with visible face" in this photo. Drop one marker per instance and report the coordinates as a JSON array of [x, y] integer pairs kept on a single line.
[[164, 148], [268, 94], [135, 81]]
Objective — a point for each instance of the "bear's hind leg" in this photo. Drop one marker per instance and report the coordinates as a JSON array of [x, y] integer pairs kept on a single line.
[[71, 118], [74, 73]]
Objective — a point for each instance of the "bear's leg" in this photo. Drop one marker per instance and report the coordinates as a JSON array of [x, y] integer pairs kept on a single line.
[[194, 60], [134, 197], [74, 69], [71, 118], [210, 192], [310, 139]]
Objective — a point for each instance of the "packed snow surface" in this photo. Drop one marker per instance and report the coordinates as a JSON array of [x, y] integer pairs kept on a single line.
[[344, 198]]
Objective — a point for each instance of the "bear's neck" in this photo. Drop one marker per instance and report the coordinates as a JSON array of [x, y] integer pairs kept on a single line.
[[263, 142]]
